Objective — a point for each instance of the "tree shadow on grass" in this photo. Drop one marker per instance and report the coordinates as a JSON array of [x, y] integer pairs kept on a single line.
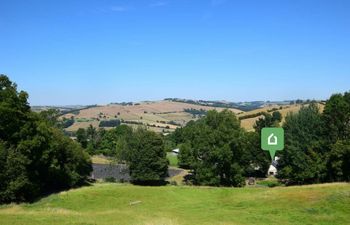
[[46, 194], [150, 182]]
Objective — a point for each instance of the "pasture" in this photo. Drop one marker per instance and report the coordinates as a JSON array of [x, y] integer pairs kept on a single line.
[[124, 204]]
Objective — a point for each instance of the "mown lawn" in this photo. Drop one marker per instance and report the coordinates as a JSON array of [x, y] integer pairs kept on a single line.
[[170, 205]]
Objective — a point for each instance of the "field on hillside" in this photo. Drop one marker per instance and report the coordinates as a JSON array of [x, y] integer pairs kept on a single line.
[[158, 115], [162, 116], [284, 110], [123, 204]]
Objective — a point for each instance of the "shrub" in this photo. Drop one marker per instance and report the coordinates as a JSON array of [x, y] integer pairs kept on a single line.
[[110, 179], [109, 123]]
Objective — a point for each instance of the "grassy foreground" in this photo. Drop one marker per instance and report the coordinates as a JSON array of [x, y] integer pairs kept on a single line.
[[171, 205]]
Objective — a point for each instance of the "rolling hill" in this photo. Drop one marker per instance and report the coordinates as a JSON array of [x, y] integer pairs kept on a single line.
[[166, 115], [103, 204], [158, 115]]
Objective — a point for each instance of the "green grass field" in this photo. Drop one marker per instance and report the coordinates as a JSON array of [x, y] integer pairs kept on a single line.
[[170, 205], [173, 160]]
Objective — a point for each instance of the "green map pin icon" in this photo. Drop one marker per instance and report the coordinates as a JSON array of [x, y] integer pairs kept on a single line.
[[272, 140]]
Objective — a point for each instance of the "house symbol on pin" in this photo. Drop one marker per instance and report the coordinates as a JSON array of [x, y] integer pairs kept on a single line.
[[272, 140]]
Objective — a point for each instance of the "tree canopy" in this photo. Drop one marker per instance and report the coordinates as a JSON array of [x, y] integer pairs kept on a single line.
[[146, 157], [35, 156], [219, 151]]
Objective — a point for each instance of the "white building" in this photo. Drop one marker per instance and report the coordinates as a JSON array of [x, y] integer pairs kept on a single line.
[[272, 171], [175, 151]]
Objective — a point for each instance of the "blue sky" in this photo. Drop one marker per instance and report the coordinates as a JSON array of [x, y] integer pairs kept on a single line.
[[86, 52]]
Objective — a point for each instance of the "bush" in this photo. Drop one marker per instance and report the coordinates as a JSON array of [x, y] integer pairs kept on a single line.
[[110, 179], [269, 183], [67, 123], [109, 123]]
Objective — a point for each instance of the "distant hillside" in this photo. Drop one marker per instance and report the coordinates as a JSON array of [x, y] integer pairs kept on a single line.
[[158, 115], [244, 106], [167, 115], [62, 109]]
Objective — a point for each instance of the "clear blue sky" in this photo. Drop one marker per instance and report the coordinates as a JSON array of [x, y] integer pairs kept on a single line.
[[100, 51]]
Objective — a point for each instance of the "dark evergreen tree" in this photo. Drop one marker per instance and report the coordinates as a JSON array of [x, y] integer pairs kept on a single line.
[[82, 137], [336, 115], [146, 158], [302, 160], [338, 161]]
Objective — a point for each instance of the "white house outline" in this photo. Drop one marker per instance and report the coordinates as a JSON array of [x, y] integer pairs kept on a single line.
[[269, 139]]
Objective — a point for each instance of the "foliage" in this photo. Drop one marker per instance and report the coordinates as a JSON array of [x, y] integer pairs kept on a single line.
[[336, 116], [338, 161], [196, 112], [35, 156], [185, 156], [213, 147], [268, 120], [317, 145], [146, 157], [82, 137], [110, 179], [113, 142], [67, 122], [251, 115], [301, 161], [109, 123], [173, 159], [269, 183]]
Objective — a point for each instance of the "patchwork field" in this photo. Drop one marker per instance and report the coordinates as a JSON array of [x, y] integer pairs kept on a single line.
[[248, 123], [124, 204], [162, 116], [158, 116]]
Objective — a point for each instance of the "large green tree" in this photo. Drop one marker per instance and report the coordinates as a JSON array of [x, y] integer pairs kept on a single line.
[[268, 120], [113, 142], [213, 149], [82, 137], [338, 161], [302, 160], [35, 156], [336, 133], [336, 116], [146, 157]]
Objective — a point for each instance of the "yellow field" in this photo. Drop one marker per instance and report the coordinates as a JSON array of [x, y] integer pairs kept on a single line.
[[249, 123], [160, 113]]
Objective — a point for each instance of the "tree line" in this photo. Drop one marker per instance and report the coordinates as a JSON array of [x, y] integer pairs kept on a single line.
[[142, 150], [219, 152], [317, 146], [36, 157]]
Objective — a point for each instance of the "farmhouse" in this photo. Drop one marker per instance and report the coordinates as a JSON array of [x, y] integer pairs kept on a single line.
[[272, 171]]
